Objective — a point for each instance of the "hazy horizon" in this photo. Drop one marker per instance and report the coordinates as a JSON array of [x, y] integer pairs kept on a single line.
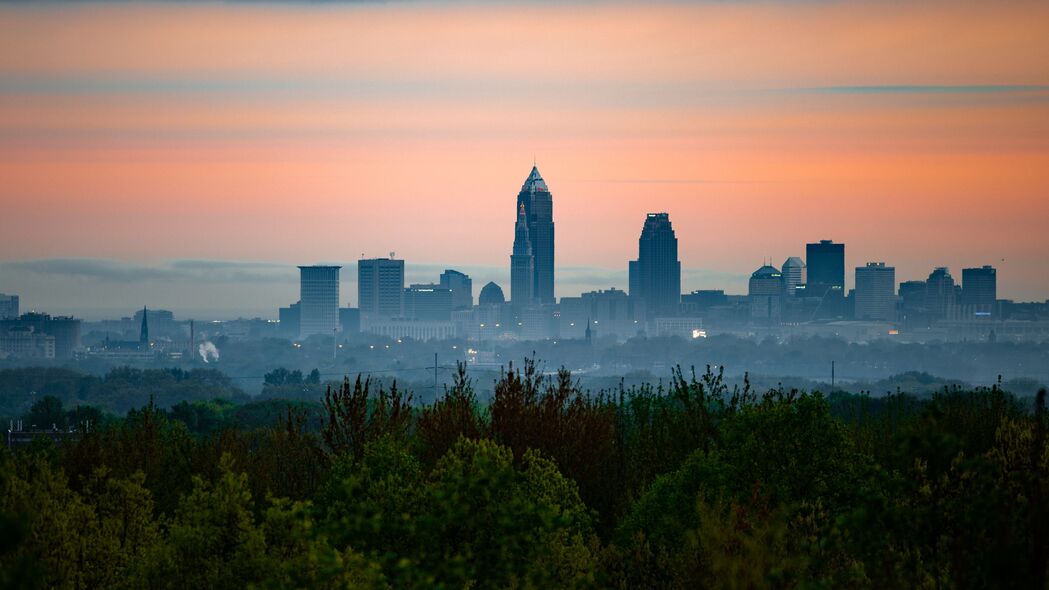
[[148, 135]]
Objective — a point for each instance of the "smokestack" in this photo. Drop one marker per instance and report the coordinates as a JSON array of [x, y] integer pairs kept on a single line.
[[192, 339]]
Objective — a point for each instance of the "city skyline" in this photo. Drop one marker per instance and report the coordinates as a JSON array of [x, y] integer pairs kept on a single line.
[[300, 143]]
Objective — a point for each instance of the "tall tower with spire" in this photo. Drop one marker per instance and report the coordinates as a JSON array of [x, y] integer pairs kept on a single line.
[[538, 207], [522, 264]]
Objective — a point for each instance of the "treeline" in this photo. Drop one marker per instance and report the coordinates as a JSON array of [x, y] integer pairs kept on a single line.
[[118, 391], [693, 485]]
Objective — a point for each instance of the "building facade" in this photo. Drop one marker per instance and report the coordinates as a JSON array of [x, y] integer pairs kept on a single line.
[[980, 286], [793, 275], [765, 292], [461, 286], [538, 206], [8, 307], [875, 292], [655, 277], [318, 300], [522, 265], [825, 269], [380, 287]]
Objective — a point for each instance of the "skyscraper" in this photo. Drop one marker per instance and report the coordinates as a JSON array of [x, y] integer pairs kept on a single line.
[[380, 287], [939, 294], [655, 277], [8, 307], [522, 264], [318, 300], [461, 286], [825, 262], [875, 292], [793, 274], [538, 206], [765, 292], [979, 285]]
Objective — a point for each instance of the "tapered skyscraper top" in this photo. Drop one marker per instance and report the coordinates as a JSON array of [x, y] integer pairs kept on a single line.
[[537, 203], [534, 182]]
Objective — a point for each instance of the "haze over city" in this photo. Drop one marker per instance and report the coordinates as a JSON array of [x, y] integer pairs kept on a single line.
[[192, 155]]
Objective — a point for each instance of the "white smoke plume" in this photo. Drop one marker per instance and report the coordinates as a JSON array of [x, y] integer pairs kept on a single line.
[[208, 352]]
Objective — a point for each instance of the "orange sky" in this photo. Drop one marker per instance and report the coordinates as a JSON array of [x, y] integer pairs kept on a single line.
[[917, 133]]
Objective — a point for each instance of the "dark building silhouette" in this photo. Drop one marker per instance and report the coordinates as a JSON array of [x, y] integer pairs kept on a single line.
[[875, 295], [8, 307], [491, 295], [349, 321], [522, 265], [979, 286], [940, 294], [765, 294], [426, 301], [289, 320], [143, 332], [538, 206], [655, 277], [318, 300], [825, 267], [461, 286], [380, 287], [32, 327], [912, 302]]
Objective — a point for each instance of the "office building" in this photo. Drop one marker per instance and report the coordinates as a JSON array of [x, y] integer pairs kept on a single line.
[[522, 265], [63, 331], [461, 286], [380, 287], [318, 300], [940, 294], [793, 275], [764, 293], [980, 286], [825, 280], [538, 206], [8, 307], [427, 302], [875, 297], [288, 318], [655, 277]]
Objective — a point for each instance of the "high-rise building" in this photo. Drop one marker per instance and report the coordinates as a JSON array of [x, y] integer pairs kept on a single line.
[[522, 264], [825, 267], [875, 292], [979, 286], [8, 307], [318, 300], [825, 264], [427, 302], [912, 302], [940, 294], [538, 205], [461, 286], [793, 274], [288, 318], [655, 277], [491, 295], [380, 287], [765, 292]]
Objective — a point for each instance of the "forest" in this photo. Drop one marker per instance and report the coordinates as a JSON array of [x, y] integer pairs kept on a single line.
[[692, 483]]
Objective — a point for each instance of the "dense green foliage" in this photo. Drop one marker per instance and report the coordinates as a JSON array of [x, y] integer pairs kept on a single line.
[[695, 484]]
